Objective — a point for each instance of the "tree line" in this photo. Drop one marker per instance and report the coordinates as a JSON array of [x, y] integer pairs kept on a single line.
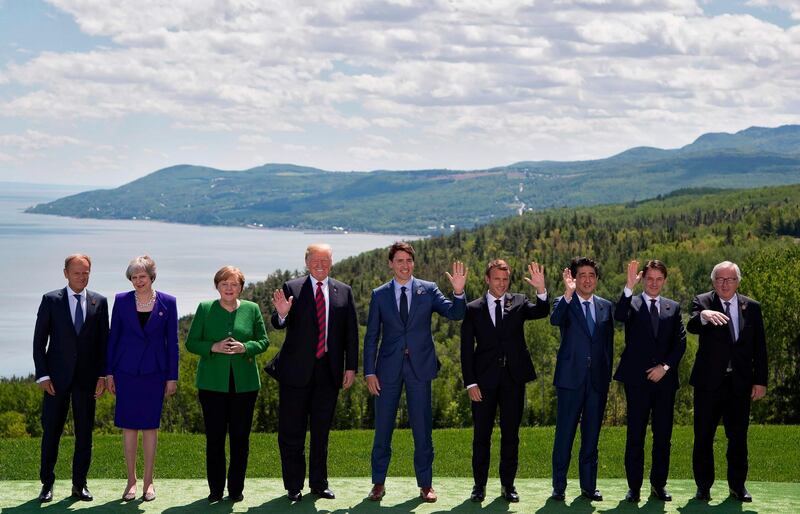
[[690, 230]]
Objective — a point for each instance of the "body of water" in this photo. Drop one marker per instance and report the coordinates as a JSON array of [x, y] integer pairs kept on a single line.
[[187, 256]]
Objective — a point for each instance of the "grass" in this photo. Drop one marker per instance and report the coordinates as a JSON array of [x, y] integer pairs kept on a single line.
[[774, 455]]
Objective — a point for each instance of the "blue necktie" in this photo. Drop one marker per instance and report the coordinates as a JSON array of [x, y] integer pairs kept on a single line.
[[589, 318], [403, 305], [78, 314]]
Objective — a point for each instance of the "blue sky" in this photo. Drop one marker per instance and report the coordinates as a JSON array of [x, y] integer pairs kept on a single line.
[[101, 93]]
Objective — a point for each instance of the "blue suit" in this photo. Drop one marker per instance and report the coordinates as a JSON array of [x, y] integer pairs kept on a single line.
[[582, 376], [142, 359], [406, 356]]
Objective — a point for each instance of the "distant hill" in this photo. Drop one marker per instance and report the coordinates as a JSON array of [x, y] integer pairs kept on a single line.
[[433, 201]]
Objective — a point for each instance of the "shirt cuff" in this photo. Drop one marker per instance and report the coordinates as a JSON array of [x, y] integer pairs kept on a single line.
[[281, 321], [471, 386], [628, 292], [462, 295], [703, 320], [40, 380], [369, 375], [543, 296]]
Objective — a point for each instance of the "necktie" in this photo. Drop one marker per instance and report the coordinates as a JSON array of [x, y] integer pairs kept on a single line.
[[403, 305], [498, 314], [589, 318], [730, 322], [320, 299], [654, 315], [78, 314]]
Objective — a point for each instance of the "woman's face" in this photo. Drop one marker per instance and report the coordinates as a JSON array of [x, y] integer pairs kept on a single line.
[[141, 281], [229, 289]]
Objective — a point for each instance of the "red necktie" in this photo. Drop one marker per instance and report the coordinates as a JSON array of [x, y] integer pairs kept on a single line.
[[320, 298]]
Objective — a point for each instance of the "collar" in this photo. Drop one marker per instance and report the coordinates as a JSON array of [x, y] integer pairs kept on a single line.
[[314, 282], [647, 298], [581, 300], [490, 299], [408, 285], [73, 293]]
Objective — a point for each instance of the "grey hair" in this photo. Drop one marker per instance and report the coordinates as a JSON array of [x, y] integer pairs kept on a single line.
[[723, 265], [142, 263]]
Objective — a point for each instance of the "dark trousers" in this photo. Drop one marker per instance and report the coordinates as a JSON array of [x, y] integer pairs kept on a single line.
[[733, 407], [54, 415], [300, 407], [585, 405], [420, 417], [642, 401], [227, 413], [510, 398]]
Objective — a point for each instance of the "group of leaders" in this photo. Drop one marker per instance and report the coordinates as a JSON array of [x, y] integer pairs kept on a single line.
[[78, 358]]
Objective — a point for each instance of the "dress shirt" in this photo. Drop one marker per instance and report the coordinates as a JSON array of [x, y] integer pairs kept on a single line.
[[734, 308], [583, 307], [646, 297]]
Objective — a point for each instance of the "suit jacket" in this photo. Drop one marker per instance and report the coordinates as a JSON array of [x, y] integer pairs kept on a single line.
[[386, 362], [60, 353], [141, 351], [479, 362], [748, 354], [580, 352], [645, 349], [295, 365]]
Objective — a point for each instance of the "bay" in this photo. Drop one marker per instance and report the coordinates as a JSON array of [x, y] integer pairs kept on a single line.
[[187, 256]]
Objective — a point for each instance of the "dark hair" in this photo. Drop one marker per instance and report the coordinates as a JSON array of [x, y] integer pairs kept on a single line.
[[579, 262], [401, 246], [497, 264], [656, 265]]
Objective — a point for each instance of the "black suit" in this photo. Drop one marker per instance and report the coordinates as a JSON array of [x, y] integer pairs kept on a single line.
[[644, 349], [73, 362], [719, 394], [309, 386], [497, 359]]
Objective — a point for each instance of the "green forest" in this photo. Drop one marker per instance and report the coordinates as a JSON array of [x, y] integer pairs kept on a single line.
[[690, 230]]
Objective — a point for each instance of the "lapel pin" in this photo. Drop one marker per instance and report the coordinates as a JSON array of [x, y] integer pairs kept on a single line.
[[160, 313]]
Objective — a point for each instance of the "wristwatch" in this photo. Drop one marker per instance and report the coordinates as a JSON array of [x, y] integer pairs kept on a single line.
[[665, 366]]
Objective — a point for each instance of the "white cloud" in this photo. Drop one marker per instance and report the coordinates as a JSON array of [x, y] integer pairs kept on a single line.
[[35, 140], [456, 84]]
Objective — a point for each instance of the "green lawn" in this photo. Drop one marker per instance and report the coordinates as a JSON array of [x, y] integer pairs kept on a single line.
[[774, 454]]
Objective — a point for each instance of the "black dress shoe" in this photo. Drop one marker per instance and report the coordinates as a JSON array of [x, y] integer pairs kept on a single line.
[[295, 496], [743, 495], [703, 495], [592, 496], [661, 493], [632, 496], [323, 493], [478, 493], [214, 498], [46, 494], [235, 498], [82, 493], [509, 493], [557, 496]]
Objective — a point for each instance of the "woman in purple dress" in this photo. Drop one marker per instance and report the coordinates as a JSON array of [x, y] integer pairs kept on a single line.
[[142, 366]]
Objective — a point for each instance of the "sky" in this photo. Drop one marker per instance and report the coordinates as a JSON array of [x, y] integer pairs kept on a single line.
[[100, 93]]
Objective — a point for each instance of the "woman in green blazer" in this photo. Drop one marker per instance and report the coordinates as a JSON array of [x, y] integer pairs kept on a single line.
[[227, 334]]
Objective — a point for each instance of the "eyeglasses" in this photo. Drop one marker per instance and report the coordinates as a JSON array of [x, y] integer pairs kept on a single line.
[[725, 281]]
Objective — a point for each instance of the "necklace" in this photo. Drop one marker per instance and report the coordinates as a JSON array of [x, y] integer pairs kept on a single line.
[[140, 305]]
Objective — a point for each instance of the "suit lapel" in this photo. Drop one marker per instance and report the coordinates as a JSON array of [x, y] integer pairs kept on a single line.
[[65, 309], [333, 299], [91, 309], [415, 300], [577, 305]]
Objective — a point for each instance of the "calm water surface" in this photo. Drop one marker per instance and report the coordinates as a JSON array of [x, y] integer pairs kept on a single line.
[[33, 247]]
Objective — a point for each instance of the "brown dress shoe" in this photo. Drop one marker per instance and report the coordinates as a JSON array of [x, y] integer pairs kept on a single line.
[[427, 494], [377, 493]]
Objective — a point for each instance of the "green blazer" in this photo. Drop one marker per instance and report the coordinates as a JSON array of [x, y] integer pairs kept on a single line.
[[213, 323]]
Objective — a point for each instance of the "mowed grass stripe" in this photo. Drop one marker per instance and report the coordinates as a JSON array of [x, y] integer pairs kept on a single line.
[[774, 455]]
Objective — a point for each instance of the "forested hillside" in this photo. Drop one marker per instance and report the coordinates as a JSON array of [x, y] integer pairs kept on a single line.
[[689, 230]]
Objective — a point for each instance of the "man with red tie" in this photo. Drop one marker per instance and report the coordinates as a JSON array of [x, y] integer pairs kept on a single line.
[[319, 356]]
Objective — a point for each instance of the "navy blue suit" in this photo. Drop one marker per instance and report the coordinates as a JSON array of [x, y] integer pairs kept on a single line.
[[142, 359], [582, 376], [73, 362], [645, 349], [406, 355]]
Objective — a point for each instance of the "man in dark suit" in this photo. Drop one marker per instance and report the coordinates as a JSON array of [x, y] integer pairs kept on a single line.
[[400, 314], [69, 345], [496, 365], [583, 372], [655, 341], [319, 356], [729, 371]]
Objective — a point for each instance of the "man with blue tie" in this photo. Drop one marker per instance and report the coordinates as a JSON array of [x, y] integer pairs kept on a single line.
[[583, 372], [69, 345], [400, 317], [655, 341]]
